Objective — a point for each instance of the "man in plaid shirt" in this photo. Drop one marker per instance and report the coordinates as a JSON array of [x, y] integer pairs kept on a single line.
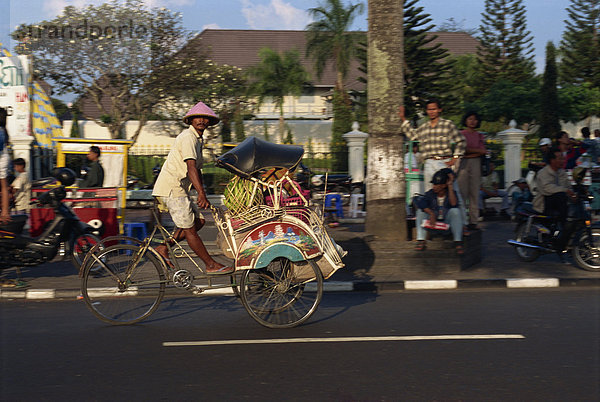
[[435, 140]]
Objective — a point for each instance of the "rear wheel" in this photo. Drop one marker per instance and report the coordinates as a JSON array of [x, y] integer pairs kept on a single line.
[[120, 291], [524, 236], [81, 246], [587, 251], [282, 295]]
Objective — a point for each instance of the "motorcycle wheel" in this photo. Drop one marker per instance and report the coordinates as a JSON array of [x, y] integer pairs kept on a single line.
[[525, 253], [80, 247], [587, 252]]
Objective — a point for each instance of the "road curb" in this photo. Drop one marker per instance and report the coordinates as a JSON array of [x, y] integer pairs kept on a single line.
[[350, 286]]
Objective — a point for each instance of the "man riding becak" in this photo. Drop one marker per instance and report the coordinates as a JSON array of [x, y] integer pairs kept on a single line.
[[180, 173]]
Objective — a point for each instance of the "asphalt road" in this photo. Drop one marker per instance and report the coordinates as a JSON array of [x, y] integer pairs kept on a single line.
[[547, 348]]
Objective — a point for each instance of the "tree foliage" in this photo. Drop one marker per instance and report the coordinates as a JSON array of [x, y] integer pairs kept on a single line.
[[580, 45], [190, 77], [549, 112], [428, 66], [506, 49], [507, 100], [105, 53], [276, 76], [577, 102], [328, 37]]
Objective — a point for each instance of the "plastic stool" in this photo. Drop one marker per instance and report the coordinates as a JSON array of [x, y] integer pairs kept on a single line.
[[129, 231], [355, 201], [339, 210]]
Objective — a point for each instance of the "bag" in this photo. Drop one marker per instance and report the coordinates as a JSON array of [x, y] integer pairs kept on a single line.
[[485, 165]]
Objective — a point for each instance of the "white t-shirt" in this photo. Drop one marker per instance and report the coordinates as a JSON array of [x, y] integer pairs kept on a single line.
[[172, 180]]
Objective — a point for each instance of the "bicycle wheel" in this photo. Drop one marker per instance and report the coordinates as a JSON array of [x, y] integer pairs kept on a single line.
[[118, 290], [282, 295], [80, 247]]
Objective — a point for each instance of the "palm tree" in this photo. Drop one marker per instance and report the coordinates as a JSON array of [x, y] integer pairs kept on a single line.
[[277, 76], [328, 37], [386, 213]]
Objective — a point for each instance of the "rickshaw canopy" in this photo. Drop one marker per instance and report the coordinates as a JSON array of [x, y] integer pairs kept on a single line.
[[253, 156]]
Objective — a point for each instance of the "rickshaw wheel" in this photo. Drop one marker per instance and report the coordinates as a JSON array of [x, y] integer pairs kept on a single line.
[[284, 294]]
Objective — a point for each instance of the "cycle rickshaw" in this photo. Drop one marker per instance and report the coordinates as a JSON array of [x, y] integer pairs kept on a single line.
[[277, 241]]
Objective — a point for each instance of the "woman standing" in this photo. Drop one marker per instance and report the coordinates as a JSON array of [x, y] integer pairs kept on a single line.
[[469, 173]]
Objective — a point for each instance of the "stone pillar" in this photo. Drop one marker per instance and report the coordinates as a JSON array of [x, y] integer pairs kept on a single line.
[[21, 146], [512, 138], [356, 148]]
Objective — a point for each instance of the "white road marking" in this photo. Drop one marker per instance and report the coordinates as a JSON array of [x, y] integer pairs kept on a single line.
[[438, 284], [533, 283], [40, 294], [347, 339]]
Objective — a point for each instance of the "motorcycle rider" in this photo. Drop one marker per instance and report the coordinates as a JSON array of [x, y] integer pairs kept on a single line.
[[553, 193]]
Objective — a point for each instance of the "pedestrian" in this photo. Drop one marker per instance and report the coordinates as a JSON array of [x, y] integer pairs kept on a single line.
[[412, 160], [544, 148], [436, 138], [521, 195], [439, 205], [21, 187], [4, 159], [95, 173], [181, 173], [469, 173], [490, 187]]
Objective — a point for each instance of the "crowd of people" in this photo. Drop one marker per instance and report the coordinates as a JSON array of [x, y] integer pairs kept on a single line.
[[457, 184]]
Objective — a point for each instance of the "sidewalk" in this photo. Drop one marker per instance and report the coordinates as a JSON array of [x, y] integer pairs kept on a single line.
[[499, 268]]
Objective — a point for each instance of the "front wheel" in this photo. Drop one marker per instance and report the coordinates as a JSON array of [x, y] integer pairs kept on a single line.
[[81, 246], [525, 253], [587, 251], [284, 294], [121, 287]]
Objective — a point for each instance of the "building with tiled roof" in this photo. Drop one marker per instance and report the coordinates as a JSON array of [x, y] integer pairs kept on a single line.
[[240, 48]]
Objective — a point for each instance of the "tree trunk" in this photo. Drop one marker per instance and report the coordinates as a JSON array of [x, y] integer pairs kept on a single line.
[[386, 189]]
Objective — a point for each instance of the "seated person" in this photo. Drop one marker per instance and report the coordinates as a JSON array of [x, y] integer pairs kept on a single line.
[[521, 195], [554, 190], [489, 188], [440, 204]]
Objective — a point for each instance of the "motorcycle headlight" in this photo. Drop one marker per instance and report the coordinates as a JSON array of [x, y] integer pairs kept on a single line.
[[317, 180]]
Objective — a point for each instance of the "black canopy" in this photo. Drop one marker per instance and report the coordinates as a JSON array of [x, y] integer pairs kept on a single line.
[[254, 155]]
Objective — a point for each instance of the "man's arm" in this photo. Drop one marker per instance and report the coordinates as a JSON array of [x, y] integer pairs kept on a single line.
[[452, 199], [195, 177], [405, 127]]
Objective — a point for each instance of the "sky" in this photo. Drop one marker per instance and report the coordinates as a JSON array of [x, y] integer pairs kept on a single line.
[[545, 18]]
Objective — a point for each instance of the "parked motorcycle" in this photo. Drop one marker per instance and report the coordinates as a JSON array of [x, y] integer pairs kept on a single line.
[[535, 232], [20, 250], [318, 184]]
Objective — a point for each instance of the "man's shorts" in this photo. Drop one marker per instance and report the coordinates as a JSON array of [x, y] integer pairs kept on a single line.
[[183, 211]]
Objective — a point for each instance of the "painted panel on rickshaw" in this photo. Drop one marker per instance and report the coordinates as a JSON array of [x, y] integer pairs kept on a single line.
[[271, 233]]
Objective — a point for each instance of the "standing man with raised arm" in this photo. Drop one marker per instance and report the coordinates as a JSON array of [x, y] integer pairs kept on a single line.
[[435, 140]]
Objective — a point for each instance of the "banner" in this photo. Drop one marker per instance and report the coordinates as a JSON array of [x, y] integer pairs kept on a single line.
[[14, 95]]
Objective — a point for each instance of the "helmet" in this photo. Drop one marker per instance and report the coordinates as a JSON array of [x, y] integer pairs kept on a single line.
[[545, 141], [440, 177], [65, 175]]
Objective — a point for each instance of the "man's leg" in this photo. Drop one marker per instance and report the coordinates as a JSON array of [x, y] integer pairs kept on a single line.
[[505, 203], [454, 219], [421, 217]]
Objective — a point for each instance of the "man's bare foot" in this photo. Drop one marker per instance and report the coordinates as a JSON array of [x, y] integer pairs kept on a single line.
[[164, 253], [219, 269]]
